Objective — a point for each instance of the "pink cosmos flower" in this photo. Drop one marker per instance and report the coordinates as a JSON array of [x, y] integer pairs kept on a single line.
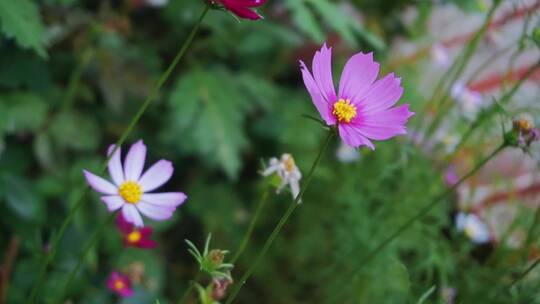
[[120, 284], [130, 188], [242, 8], [362, 109], [133, 236]]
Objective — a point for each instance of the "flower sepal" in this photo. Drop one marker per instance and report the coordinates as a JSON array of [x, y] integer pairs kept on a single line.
[[212, 262]]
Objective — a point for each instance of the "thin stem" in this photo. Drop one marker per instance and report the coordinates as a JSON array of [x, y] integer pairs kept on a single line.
[[524, 273], [281, 222], [504, 99], [517, 279], [423, 212], [79, 201], [75, 79], [455, 72], [251, 227], [95, 238], [190, 288]]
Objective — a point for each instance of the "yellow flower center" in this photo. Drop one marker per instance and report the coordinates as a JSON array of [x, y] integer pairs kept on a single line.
[[131, 192], [119, 285], [289, 163], [134, 236], [471, 231], [344, 110]]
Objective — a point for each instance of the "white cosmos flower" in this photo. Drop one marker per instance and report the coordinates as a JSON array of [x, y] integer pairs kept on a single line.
[[287, 170], [473, 227], [130, 188], [470, 102], [346, 153]]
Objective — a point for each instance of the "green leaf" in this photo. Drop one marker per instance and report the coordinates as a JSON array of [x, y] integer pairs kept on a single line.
[[76, 130], [206, 117], [21, 21], [305, 20], [21, 197], [426, 295], [21, 112]]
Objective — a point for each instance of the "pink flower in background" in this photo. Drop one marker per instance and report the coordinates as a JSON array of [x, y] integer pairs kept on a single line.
[[119, 284], [242, 8], [131, 187], [133, 236], [450, 176], [362, 109]]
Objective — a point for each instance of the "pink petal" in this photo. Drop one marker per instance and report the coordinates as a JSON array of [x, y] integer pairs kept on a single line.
[[134, 162], [115, 166], [122, 224], [352, 137], [241, 11], [322, 73], [359, 73], [125, 292], [155, 212], [383, 94], [249, 3], [131, 214], [156, 175], [113, 202], [146, 231], [99, 184], [395, 116], [146, 244], [316, 96], [165, 199], [385, 124]]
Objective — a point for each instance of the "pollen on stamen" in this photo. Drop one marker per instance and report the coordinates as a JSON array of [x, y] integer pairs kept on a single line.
[[131, 192], [344, 110], [134, 236], [118, 285]]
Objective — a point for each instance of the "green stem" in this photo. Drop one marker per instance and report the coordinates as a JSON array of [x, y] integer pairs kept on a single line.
[[455, 72], [423, 212], [75, 79], [243, 243], [190, 288], [79, 201], [251, 227], [281, 222], [95, 238], [517, 279], [504, 99]]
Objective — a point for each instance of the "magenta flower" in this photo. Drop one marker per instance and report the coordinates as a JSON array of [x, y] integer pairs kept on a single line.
[[131, 187], [120, 284], [362, 109], [133, 236], [242, 8]]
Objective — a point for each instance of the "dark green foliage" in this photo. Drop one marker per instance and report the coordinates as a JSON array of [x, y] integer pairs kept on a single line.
[[235, 100]]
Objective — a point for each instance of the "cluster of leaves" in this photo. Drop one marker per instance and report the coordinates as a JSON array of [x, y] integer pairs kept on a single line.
[[74, 72]]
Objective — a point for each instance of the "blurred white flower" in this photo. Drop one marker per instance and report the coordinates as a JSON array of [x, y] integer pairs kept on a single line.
[[470, 102], [439, 55], [287, 170], [157, 3], [347, 154], [473, 227]]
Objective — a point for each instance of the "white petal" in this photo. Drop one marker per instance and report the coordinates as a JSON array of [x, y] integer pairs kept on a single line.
[[157, 175], [115, 166], [295, 188], [113, 202], [165, 199], [134, 162], [155, 212], [131, 214], [99, 184]]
